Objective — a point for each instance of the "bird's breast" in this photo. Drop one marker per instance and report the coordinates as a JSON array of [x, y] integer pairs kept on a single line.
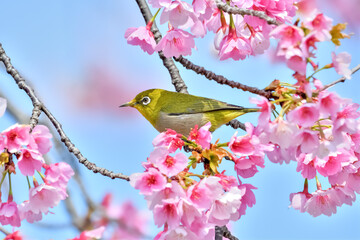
[[181, 123]]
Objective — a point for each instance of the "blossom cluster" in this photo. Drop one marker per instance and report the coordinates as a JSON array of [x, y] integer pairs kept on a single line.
[[235, 36], [109, 221], [321, 134], [297, 44], [122, 221], [28, 147], [85, 235], [190, 209]]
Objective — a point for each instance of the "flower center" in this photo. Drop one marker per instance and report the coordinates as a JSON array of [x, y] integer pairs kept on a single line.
[[169, 161]]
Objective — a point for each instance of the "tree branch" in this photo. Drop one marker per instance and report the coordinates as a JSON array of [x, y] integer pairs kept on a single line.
[[221, 79], [176, 79], [20, 81], [342, 79], [235, 10], [223, 232], [236, 124]]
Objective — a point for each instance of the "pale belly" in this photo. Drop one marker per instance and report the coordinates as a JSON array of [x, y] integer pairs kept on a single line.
[[180, 123]]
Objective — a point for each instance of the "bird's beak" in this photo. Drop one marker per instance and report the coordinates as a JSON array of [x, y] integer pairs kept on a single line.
[[129, 104]]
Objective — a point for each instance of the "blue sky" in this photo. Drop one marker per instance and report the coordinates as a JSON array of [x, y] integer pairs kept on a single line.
[[59, 46]]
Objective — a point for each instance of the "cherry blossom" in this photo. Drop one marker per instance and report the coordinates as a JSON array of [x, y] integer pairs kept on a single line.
[[43, 197], [180, 14], [226, 207], [41, 139], [143, 37], [171, 190], [159, 3], [298, 200], [205, 192], [167, 164], [58, 175], [341, 63], [30, 161], [305, 115], [234, 47], [288, 35], [169, 212], [201, 136], [178, 233], [320, 25], [16, 136], [14, 236], [321, 202], [149, 181], [25, 211], [176, 42], [170, 139], [9, 214], [91, 234]]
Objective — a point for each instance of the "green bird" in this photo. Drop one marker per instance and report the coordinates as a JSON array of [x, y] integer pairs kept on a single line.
[[181, 112]]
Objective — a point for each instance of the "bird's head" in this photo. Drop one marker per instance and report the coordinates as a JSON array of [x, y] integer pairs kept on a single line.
[[146, 103]]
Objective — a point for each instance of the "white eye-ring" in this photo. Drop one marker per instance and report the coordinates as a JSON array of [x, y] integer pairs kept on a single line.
[[145, 100]]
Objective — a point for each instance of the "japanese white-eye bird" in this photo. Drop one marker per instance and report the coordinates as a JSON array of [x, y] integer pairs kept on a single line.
[[181, 112]]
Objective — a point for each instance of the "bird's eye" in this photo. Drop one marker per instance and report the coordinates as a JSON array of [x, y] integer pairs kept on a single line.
[[145, 100]]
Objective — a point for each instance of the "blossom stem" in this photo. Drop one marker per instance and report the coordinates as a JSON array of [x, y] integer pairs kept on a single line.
[[279, 100], [284, 109], [322, 134], [192, 161], [3, 177], [153, 18], [10, 188], [322, 119], [35, 182], [41, 175], [318, 184], [316, 71], [287, 85], [231, 23], [195, 175], [306, 186], [189, 142], [274, 113], [318, 127], [27, 178], [222, 144], [150, 23]]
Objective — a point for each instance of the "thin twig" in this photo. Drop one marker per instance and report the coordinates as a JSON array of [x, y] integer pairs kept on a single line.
[[221, 79], [242, 11], [53, 226], [20, 81], [176, 79], [342, 79], [4, 231], [71, 209]]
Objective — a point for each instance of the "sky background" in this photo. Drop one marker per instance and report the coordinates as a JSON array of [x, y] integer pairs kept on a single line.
[[76, 57]]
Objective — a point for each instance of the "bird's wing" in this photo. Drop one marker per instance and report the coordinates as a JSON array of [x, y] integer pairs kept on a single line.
[[204, 105]]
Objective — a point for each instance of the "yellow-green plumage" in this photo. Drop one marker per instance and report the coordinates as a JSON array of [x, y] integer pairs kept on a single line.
[[181, 112]]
